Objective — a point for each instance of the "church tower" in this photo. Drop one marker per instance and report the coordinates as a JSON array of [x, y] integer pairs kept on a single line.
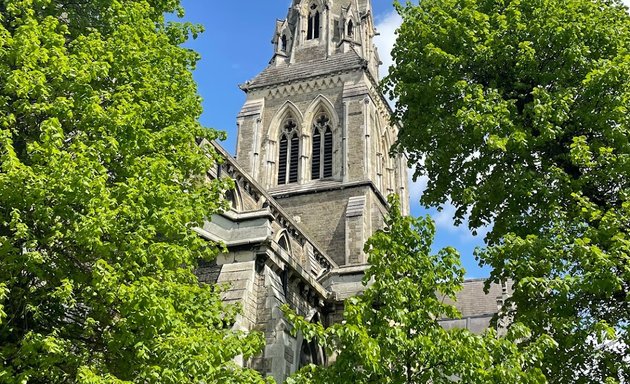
[[315, 132], [311, 178]]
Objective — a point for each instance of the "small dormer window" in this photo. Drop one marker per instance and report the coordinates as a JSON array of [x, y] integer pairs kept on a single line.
[[313, 23], [283, 43], [350, 28]]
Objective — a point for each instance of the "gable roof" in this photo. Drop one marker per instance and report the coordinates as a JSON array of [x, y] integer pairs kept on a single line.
[[286, 73]]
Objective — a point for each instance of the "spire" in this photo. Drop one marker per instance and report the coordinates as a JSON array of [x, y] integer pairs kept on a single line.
[[319, 29]]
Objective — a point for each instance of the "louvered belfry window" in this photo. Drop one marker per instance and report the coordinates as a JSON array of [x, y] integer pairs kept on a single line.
[[289, 153], [322, 161]]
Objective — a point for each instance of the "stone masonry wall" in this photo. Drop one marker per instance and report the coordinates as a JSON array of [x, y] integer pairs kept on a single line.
[[323, 214]]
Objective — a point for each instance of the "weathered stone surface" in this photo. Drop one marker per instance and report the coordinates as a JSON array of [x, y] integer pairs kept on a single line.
[[312, 63], [301, 243]]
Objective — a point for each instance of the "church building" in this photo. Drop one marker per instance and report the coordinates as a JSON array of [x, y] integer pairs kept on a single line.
[[312, 172]]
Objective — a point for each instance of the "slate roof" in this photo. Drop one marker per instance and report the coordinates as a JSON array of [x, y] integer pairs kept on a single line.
[[472, 301], [285, 73]]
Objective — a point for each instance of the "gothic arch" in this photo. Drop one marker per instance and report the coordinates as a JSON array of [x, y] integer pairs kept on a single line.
[[321, 105], [377, 133], [314, 19], [278, 118], [321, 101], [235, 198], [273, 142], [283, 39], [284, 244], [284, 241], [319, 3], [309, 352], [388, 164], [350, 23], [379, 170]]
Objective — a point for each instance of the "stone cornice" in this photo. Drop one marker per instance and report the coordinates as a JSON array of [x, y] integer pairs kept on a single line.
[[293, 88], [246, 87], [306, 189]]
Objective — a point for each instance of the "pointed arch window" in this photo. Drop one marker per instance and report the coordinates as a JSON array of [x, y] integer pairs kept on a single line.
[[310, 351], [283, 43], [350, 28], [379, 171], [283, 243], [229, 196], [312, 31], [322, 162], [289, 153]]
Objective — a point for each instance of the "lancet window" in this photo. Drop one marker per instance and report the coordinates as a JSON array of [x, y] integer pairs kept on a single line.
[[289, 153], [322, 163], [314, 22], [311, 352]]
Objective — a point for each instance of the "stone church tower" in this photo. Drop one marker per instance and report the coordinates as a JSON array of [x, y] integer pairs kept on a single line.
[[315, 131], [311, 178]]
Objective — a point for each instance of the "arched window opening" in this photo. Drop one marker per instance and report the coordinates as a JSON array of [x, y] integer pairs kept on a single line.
[[379, 171], [283, 43], [231, 199], [282, 161], [391, 173], [293, 164], [312, 31], [328, 147], [350, 28], [311, 352], [284, 276], [289, 153], [336, 30], [283, 243], [316, 164], [322, 161]]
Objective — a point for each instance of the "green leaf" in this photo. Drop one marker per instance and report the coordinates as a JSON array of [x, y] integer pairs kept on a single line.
[[101, 181], [517, 112]]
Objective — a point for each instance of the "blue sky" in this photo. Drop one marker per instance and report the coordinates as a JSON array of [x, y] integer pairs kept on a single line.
[[237, 45]]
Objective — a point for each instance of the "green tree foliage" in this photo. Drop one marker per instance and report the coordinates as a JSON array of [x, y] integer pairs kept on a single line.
[[101, 182], [391, 333], [518, 113]]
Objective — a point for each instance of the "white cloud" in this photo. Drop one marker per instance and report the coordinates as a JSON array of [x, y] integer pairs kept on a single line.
[[385, 42], [445, 218], [444, 222], [416, 187]]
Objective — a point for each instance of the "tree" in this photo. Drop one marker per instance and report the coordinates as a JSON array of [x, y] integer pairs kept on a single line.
[[517, 112], [391, 333], [101, 183]]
